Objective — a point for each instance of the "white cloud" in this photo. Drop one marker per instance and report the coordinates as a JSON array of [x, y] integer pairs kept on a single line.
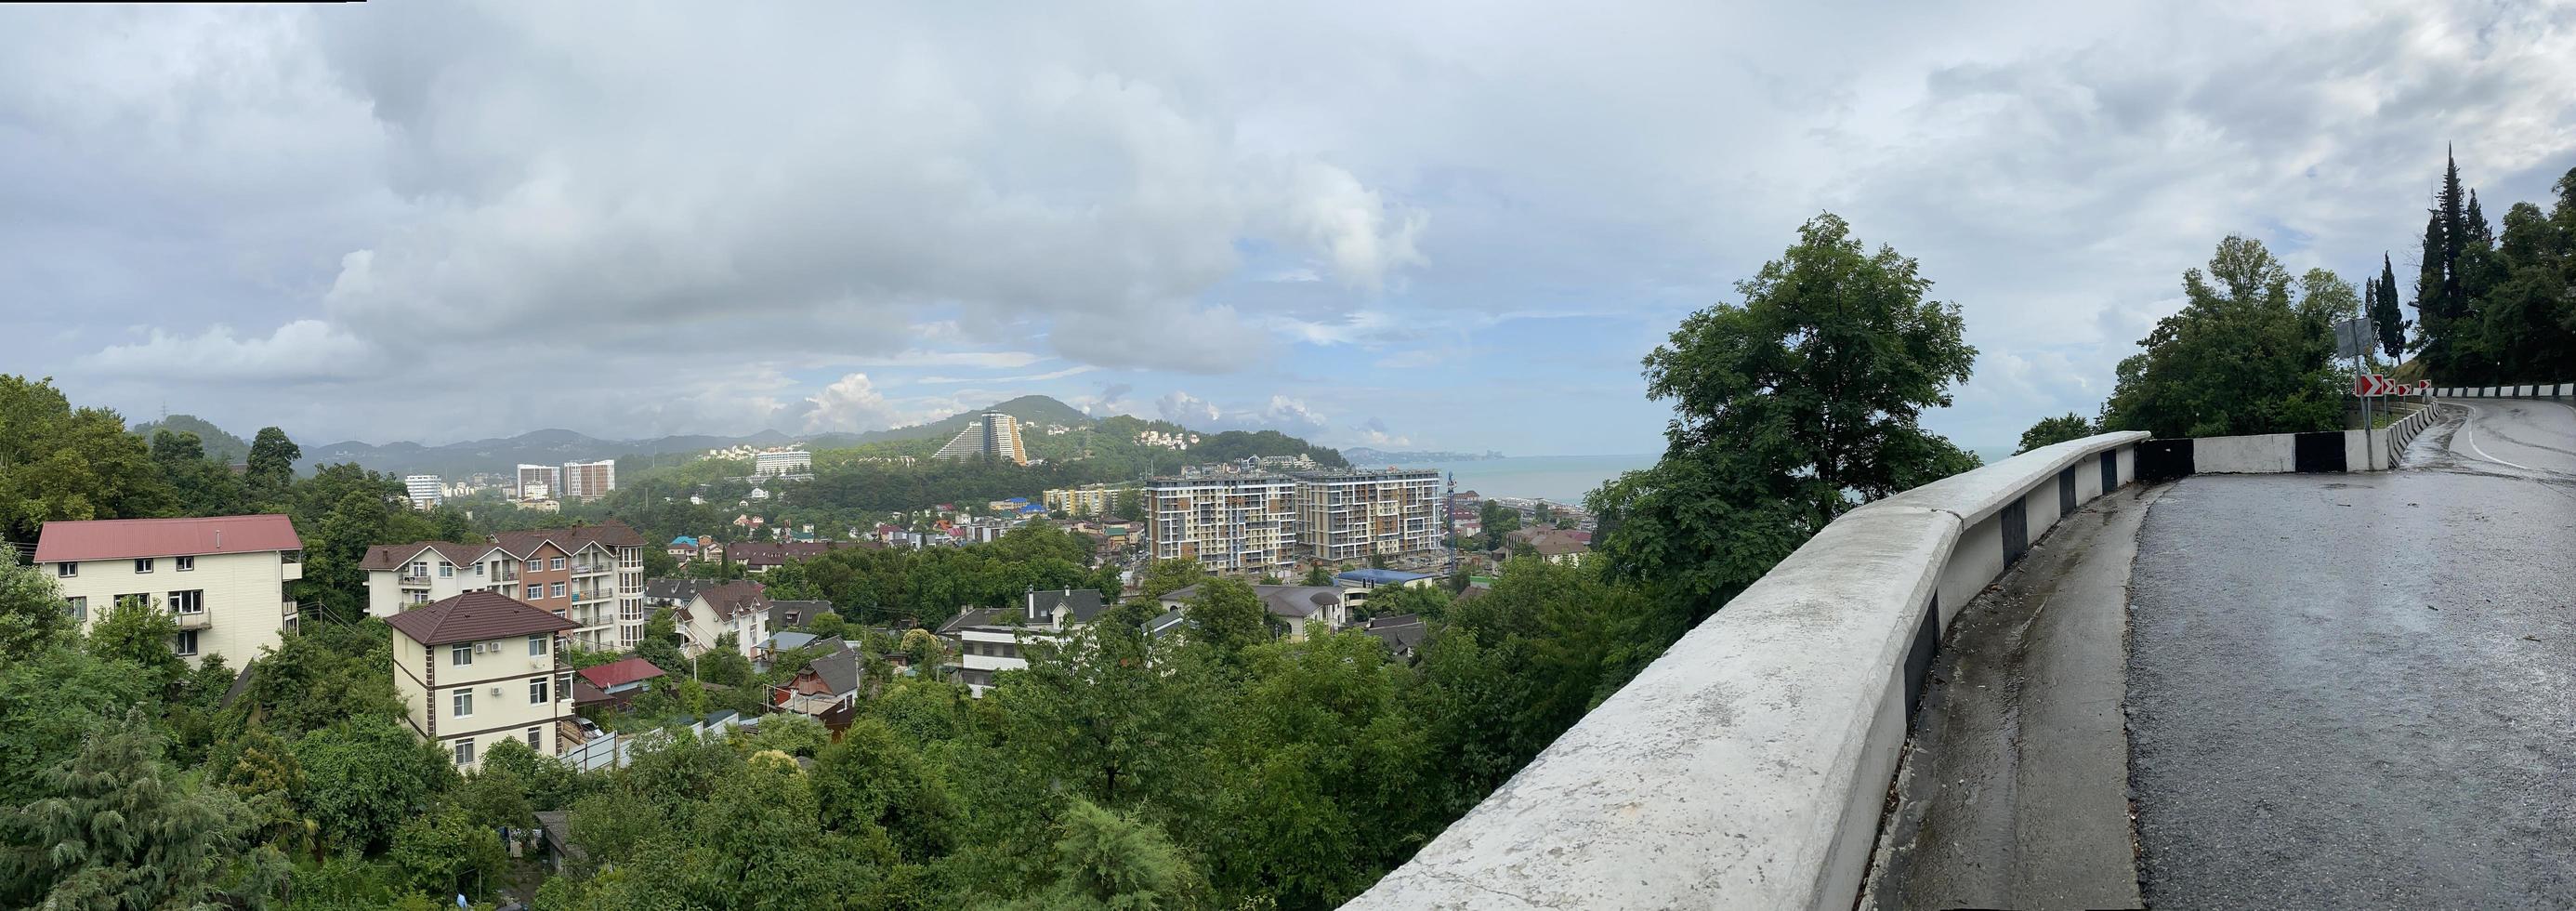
[[1075, 370], [1186, 410], [1373, 433], [1285, 413], [850, 403], [301, 351]]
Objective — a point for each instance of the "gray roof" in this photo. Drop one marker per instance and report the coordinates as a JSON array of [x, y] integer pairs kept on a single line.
[[1300, 601], [973, 616], [1083, 603], [791, 640], [676, 590], [839, 670], [1402, 633], [1164, 624], [805, 612]]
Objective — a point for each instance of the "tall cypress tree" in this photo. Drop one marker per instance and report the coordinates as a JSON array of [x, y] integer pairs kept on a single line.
[[2453, 214], [2384, 313]]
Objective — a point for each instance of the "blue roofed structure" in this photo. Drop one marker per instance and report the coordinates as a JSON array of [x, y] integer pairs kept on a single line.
[[1372, 578]]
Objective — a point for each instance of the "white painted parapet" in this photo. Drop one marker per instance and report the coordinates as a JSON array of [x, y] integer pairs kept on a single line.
[[1747, 767]]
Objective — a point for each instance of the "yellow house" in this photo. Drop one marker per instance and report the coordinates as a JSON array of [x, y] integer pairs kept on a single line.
[[480, 667]]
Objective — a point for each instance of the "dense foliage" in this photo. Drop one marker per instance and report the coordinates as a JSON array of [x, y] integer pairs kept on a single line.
[[2241, 357], [2496, 308]]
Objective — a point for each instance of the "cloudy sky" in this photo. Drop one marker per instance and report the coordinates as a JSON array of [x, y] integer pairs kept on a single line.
[[1417, 225]]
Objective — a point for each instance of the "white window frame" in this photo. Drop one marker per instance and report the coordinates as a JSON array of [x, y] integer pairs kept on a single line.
[[540, 690], [536, 590], [419, 569], [555, 563], [537, 738], [446, 570], [538, 646], [186, 564], [460, 702], [183, 607], [142, 565], [79, 607], [185, 643], [555, 590], [460, 655], [462, 750], [68, 569]]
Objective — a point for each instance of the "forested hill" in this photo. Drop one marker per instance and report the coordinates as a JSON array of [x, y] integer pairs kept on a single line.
[[219, 445], [557, 446]]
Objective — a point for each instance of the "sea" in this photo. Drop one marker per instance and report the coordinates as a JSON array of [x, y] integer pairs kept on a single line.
[[1565, 479], [1560, 479]]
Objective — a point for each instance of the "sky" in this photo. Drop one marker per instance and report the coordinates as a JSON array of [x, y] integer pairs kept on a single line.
[[1452, 226]]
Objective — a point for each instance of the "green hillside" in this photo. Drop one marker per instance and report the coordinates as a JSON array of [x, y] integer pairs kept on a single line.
[[220, 446]]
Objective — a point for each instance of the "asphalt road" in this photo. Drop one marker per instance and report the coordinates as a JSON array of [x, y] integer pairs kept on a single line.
[[2359, 691]]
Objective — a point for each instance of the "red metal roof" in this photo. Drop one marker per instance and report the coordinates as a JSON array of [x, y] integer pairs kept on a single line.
[[620, 672], [125, 539], [475, 616]]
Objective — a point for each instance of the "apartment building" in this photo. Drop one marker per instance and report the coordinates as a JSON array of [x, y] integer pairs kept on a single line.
[[588, 480], [478, 668], [538, 482], [1089, 500], [1239, 524], [1355, 515], [737, 607], [224, 578], [782, 462], [991, 434], [424, 490], [592, 575], [989, 640]]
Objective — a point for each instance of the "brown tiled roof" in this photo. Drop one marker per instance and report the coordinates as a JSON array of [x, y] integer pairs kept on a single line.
[[394, 556], [475, 616], [735, 598], [123, 539], [611, 533]]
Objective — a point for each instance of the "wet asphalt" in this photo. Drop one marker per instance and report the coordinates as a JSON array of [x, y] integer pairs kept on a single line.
[[2359, 691]]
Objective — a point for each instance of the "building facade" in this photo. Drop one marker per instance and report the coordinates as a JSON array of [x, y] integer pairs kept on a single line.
[[538, 482], [1235, 524], [224, 578], [1088, 500], [990, 640], [734, 607], [479, 668], [992, 434], [424, 490], [777, 462], [588, 480], [592, 575], [1355, 515]]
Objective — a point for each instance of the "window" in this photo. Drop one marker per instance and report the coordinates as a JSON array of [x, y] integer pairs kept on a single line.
[[460, 655], [465, 751], [556, 563], [137, 599], [186, 645], [537, 738], [537, 644], [192, 601], [555, 591], [187, 564], [464, 700], [536, 591], [143, 564], [478, 569], [563, 685], [446, 570], [419, 597], [538, 691], [66, 570], [419, 570], [79, 607]]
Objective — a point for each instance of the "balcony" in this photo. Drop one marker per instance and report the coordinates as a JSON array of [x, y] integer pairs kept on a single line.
[[198, 620], [592, 569], [419, 581]]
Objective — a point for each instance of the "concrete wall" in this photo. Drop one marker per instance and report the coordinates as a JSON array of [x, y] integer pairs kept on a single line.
[[2537, 391], [1747, 768]]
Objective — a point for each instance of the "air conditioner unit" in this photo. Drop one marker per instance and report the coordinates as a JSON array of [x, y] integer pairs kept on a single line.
[[496, 692]]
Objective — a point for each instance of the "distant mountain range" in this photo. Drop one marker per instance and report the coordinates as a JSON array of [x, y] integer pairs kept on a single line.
[[555, 446], [1366, 457]]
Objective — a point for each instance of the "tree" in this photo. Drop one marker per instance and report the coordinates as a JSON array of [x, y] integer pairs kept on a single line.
[[1109, 860], [365, 777], [33, 617], [2069, 426], [1786, 407], [724, 664], [2238, 359], [871, 785], [121, 832], [58, 463], [51, 702], [1318, 575], [272, 463], [828, 624], [1226, 616], [136, 631], [1163, 577], [1422, 600], [660, 643], [446, 853], [2384, 312]]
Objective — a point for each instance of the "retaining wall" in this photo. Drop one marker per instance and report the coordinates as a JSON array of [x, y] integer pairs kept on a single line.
[[2535, 391], [1747, 767]]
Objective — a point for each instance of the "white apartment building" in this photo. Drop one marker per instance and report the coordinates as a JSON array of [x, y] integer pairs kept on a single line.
[[734, 607], [990, 434], [775, 462], [989, 640], [479, 668], [588, 480], [592, 575], [1241, 524], [538, 482], [224, 578], [1354, 515], [424, 490]]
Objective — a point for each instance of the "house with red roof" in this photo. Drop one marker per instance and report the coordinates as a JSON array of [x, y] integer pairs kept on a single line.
[[223, 577]]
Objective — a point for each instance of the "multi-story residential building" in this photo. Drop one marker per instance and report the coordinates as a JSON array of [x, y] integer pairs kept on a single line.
[[224, 578], [592, 575], [782, 462], [538, 482], [737, 607], [989, 640], [1089, 500], [1243, 524], [424, 490], [1354, 515], [992, 434], [588, 480], [478, 668]]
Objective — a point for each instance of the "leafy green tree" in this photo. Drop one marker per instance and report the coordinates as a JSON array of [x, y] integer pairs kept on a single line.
[[871, 784], [1788, 407], [545, 782], [1108, 860], [724, 664], [272, 463], [2049, 431], [58, 463], [2238, 359], [1323, 756], [33, 615], [1162, 577], [51, 702], [1319, 575], [330, 672], [137, 632], [1427, 601], [1109, 711], [1227, 616], [364, 777], [828, 624], [2384, 313], [120, 831], [262, 771], [660, 643], [448, 853]]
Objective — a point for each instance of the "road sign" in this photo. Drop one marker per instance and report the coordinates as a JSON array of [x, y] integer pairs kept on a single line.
[[2372, 385], [2353, 337]]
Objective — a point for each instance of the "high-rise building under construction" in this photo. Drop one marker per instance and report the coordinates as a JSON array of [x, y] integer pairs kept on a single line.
[[992, 433]]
